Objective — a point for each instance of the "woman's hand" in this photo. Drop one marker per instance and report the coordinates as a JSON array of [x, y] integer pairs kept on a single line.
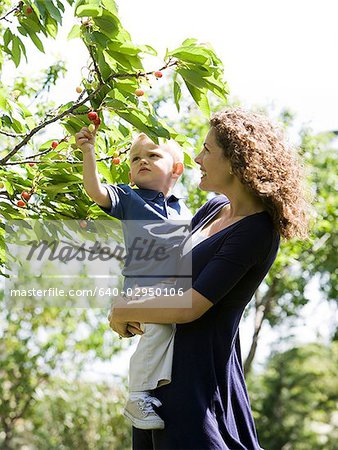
[[124, 329]]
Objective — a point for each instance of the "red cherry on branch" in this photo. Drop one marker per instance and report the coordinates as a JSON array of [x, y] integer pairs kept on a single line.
[[29, 10], [139, 92], [25, 195], [116, 161], [21, 204], [97, 122], [31, 164], [158, 74], [54, 144], [92, 115]]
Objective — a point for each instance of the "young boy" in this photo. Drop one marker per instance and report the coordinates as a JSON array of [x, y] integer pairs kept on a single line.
[[154, 169]]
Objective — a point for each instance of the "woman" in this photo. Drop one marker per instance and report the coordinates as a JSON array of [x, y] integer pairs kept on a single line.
[[235, 239]]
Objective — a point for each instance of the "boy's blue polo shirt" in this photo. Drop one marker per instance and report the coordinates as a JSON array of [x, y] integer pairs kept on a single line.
[[151, 221], [144, 204]]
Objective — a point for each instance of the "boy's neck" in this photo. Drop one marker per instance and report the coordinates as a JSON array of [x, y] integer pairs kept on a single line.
[[165, 191]]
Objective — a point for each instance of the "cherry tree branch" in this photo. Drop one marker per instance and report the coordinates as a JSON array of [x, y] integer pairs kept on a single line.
[[13, 135], [76, 106], [97, 70], [30, 160], [16, 8]]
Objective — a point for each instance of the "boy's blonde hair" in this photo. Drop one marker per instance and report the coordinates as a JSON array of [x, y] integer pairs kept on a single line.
[[170, 146]]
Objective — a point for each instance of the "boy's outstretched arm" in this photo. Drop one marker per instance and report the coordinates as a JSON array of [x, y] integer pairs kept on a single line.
[[85, 140]]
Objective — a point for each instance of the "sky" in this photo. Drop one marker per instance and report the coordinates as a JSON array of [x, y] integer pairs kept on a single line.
[[275, 53], [281, 53]]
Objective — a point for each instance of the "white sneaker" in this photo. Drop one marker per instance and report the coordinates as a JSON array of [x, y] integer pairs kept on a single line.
[[142, 415]]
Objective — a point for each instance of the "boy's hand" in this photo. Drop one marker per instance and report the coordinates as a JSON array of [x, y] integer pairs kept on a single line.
[[85, 140]]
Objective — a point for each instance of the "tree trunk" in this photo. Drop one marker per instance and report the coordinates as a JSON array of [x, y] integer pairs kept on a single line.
[[262, 307]]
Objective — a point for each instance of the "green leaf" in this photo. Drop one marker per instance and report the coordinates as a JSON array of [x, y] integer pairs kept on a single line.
[[99, 38], [125, 61], [8, 36], [105, 69], [51, 27], [9, 187], [111, 6], [189, 41], [73, 125], [188, 161], [200, 98], [110, 60], [75, 32], [16, 52], [114, 103], [53, 11], [191, 54], [127, 49], [192, 77], [177, 94], [88, 11], [108, 23], [37, 42], [31, 25], [105, 171], [40, 4], [22, 31], [136, 119], [147, 49], [23, 48], [60, 5]]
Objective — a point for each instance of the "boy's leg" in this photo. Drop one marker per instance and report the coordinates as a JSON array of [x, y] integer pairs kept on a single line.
[[150, 367], [151, 364]]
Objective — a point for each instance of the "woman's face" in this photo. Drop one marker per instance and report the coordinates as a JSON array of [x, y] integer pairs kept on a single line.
[[215, 167]]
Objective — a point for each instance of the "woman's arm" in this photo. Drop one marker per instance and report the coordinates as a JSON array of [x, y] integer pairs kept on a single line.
[[176, 309]]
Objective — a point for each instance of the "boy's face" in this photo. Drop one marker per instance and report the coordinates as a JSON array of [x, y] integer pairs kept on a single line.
[[151, 167]]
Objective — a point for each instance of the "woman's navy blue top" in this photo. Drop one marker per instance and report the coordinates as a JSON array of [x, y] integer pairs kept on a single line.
[[206, 406]]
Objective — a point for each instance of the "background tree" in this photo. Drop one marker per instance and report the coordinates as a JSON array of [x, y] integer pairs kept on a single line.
[[295, 401]]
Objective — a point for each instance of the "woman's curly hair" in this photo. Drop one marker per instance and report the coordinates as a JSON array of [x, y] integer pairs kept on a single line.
[[263, 161]]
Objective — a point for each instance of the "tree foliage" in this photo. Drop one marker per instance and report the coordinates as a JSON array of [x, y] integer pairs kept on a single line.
[[38, 408], [52, 175], [295, 401]]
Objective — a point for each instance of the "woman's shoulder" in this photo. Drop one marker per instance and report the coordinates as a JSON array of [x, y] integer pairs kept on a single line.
[[209, 208]]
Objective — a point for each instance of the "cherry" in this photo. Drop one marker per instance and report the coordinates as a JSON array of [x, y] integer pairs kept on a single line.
[[54, 144], [79, 89], [83, 224], [21, 204], [116, 161], [158, 74], [29, 10], [139, 92], [2, 184], [92, 115], [97, 122], [31, 164], [115, 154], [91, 128], [25, 195]]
